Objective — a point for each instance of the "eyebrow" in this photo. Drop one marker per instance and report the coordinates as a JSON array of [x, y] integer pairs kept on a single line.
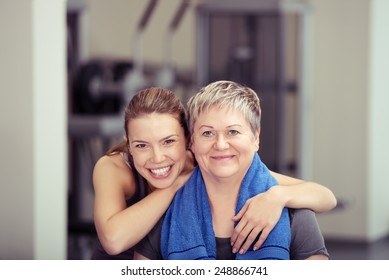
[[163, 139], [205, 126], [229, 126]]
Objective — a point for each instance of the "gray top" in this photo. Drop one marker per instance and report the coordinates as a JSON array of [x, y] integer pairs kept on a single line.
[[306, 239]]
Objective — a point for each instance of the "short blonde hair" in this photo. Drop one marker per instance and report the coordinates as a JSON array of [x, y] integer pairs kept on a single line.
[[226, 94]]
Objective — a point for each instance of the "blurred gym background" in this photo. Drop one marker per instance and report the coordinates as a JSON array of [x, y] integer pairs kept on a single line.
[[69, 68]]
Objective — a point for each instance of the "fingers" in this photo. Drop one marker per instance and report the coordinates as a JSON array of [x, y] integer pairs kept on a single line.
[[244, 235], [239, 236], [247, 236], [263, 235], [240, 214], [239, 227], [250, 239]]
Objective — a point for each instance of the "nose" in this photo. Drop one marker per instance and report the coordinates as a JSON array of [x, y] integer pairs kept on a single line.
[[221, 142], [157, 155]]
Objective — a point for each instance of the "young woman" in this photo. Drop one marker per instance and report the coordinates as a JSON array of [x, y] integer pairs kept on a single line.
[[136, 181]]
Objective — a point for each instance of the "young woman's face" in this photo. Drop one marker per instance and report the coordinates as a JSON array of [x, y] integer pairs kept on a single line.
[[158, 146], [223, 143]]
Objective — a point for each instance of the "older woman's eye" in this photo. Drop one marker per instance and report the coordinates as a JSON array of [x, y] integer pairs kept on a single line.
[[233, 132], [207, 133]]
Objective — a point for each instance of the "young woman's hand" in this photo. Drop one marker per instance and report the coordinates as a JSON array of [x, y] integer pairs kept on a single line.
[[258, 216]]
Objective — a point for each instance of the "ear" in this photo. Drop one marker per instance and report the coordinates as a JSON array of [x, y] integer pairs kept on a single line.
[[125, 139], [257, 138], [190, 143]]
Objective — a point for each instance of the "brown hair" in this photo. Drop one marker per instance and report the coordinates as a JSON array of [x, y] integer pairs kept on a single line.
[[152, 100]]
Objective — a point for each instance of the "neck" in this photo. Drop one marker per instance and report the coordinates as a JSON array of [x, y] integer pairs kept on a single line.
[[150, 188], [218, 186], [222, 195]]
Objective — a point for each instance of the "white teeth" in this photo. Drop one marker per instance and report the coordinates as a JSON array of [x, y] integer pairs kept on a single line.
[[160, 171]]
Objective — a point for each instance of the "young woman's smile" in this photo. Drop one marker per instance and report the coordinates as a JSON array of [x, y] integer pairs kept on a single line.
[[159, 152]]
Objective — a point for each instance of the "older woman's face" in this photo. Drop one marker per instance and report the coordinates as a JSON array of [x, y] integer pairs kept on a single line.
[[223, 143]]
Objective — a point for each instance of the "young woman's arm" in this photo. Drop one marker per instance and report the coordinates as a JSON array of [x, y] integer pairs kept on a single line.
[[318, 257], [120, 227], [261, 213], [304, 194], [138, 256]]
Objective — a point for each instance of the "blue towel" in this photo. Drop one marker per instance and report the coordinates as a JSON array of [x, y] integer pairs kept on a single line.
[[187, 231]]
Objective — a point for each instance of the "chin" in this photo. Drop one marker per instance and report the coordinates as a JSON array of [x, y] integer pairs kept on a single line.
[[224, 173], [160, 185]]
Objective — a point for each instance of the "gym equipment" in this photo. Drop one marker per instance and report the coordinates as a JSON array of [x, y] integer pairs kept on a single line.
[[103, 87], [97, 87], [166, 77], [134, 79]]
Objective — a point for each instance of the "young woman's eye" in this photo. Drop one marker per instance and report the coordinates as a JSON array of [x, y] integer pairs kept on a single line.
[[169, 141], [140, 146]]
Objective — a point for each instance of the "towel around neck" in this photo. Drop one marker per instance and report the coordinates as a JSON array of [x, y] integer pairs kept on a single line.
[[187, 231]]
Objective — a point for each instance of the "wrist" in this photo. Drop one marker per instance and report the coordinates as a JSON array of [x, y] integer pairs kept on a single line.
[[279, 193]]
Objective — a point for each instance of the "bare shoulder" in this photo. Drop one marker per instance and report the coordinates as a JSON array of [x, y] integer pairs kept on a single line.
[[114, 164], [112, 160], [113, 171]]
